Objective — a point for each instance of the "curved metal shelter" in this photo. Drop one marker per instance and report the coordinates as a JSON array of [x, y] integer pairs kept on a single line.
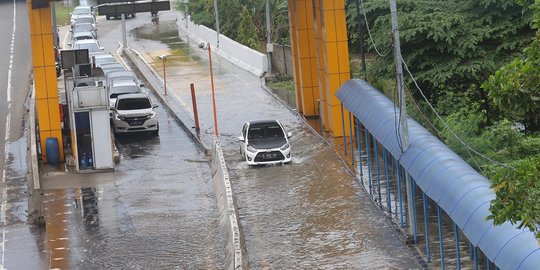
[[448, 180]]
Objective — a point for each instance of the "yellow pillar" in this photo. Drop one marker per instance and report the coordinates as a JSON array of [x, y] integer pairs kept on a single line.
[[307, 56], [294, 51], [336, 54], [321, 65], [45, 81]]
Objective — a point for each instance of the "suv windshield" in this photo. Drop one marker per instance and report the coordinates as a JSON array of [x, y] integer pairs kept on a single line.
[[91, 47], [82, 11], [265, 132], [126, 89], [83, 27], [134, 104], [84, 20]]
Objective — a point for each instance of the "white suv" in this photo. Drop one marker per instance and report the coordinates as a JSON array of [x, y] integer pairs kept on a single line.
[[134, 113]]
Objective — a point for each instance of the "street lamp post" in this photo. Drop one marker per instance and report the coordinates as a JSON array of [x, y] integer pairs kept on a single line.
[[163, 60], [206, 46]]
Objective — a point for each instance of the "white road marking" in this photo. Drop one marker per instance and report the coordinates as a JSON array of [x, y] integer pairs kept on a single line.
[[6, 148]]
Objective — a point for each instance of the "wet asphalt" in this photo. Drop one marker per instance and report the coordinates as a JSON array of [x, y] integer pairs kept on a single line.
[[157, 210], [310, 214]]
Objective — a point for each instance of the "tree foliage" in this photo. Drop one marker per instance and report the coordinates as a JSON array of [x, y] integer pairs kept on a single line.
[[244, 20], [515, 88], [449, 45], [518, 194]]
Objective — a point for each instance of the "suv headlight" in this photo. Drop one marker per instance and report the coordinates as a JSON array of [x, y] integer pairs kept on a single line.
[[285, 147], [251, 149], [151, 115]]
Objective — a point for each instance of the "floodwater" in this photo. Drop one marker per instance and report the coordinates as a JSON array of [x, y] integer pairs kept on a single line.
[[158, 211], [311, 214]]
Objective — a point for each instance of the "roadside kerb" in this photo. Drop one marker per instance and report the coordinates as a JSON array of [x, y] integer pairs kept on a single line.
[[228, 213], [35, 211], [155, 83]]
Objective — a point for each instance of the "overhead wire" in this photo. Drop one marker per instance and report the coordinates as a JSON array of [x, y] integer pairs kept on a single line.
[[467, 147], [369, 31]]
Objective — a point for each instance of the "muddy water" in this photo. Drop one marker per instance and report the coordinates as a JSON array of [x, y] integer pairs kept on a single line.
[[310, 214]]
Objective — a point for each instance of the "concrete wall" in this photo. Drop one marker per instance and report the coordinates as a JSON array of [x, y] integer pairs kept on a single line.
[[282, 62], [236, 53], [227, 211]]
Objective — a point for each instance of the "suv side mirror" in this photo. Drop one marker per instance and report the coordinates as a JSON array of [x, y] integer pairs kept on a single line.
[[289, 135], [155, 106], [241, 138]]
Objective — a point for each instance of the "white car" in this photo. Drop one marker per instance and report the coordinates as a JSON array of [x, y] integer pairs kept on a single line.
[[80, 11], [91, 45], [101, 58], [265, 142], [122, 87], [84, 19], [134, 113]]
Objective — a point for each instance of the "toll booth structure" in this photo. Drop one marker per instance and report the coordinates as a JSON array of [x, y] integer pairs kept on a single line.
[[91, 137]]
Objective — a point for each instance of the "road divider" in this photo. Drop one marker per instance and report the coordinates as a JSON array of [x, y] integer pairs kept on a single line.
[[228, 213], [155, 83]]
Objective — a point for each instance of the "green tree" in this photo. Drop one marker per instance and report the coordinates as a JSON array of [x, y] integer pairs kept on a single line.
[[247, 32], [517, 192], [515, 88], [450, 45]]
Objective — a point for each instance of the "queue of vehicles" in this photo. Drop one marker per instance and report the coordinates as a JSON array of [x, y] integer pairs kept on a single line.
[[131, 109]]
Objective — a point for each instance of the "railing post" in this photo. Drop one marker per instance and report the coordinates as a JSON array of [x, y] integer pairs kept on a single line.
[[195, 110], [456, 236], [376, 149], [388, 202], [359, 145], [426, 224], [368, 159], [439, 217]]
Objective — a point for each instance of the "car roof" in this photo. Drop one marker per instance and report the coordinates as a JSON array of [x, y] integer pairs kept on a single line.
[[83, 7], [121, 73], [83, 33], [263, 122], [134, 95], [125, 83], [102, 55], [85, 16], [85, 41]]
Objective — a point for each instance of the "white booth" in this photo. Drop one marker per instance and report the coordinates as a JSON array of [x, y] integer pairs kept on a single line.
[[92, 141]]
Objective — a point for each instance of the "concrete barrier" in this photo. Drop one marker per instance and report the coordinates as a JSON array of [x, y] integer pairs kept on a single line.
[[35, 210], [228, 216], [236, 53], [228, 213], [155, 83]]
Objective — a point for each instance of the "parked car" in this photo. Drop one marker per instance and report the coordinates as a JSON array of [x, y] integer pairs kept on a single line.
[[122, 87], [85, 19], [91, 44], [134, 113], [84, 27], [102, 58], [122, 75], [265, 142], [111, 67], [81, 11], [81, 36]]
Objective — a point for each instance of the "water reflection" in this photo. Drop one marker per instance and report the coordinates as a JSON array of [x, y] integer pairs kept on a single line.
[[89, 206]]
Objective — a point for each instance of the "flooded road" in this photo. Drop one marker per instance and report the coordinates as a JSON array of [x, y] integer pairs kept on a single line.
[[310, 214], [157, 210]]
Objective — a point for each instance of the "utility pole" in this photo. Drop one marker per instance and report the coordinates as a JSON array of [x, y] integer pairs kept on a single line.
[[269, 47], [55, 29], [361, 29], [124, 35], [403, 127], [216, 12]]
